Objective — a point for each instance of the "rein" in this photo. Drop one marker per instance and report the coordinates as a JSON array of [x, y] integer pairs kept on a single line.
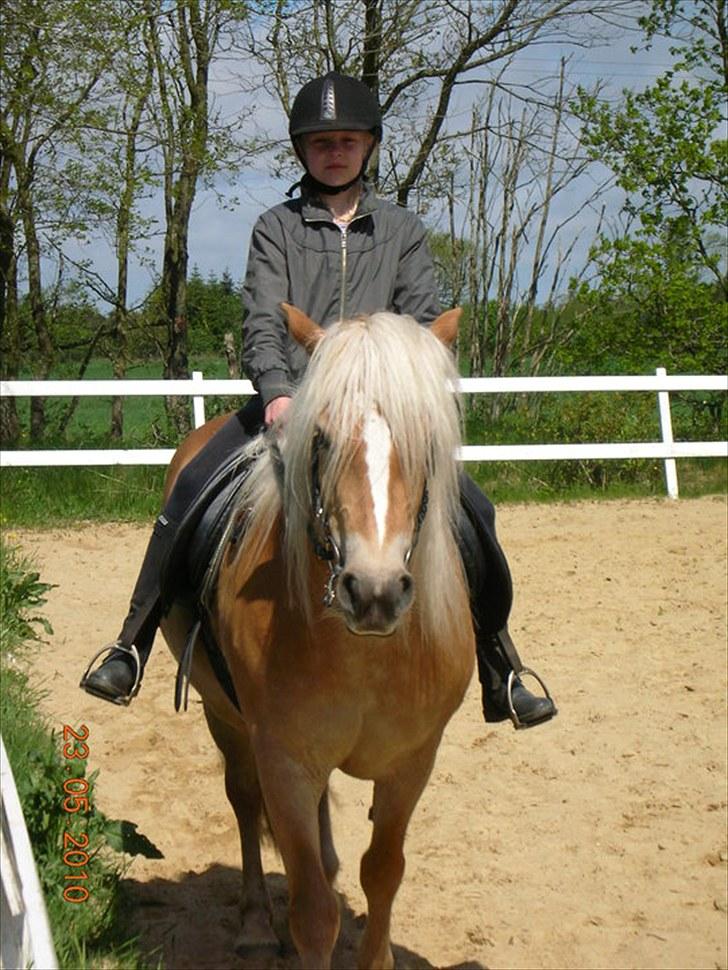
[[319, 531], [322, 538]]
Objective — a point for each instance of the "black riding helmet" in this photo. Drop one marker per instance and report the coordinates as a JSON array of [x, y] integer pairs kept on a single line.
[[335, 102]]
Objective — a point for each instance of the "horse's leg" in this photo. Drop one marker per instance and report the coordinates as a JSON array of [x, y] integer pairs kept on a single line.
[[293, 799], [382, 865], [329, 858], [243, 792]]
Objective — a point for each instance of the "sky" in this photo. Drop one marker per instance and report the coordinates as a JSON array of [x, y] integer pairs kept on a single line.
[[219, 234]]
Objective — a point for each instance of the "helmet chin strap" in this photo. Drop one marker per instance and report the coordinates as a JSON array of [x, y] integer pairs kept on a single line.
[[313, 185]]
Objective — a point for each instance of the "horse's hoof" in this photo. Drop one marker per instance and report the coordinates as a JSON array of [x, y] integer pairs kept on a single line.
[[257, 937], [259, 953]]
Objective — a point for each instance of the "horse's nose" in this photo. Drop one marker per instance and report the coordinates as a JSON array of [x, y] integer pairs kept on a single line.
[[375, 603]]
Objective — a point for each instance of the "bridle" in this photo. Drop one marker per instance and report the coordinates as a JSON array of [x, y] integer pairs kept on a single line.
[[323, 541]]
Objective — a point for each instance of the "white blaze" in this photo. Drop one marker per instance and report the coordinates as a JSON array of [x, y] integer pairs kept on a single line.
[[378, 441]]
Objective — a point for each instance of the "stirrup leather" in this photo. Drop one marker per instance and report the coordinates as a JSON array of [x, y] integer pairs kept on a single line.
[[125, 699], [512, 713]]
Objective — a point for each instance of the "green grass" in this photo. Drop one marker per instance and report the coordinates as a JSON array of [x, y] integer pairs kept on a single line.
[[38, 497], [53, 496], [145, 419], [46, 497], [86, 934], [567, 481]]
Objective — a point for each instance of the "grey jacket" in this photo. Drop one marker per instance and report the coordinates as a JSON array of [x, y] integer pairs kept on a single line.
[[299, 255]]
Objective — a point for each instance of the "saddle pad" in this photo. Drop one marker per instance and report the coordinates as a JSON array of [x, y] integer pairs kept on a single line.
[[200, 531], [206, 538]]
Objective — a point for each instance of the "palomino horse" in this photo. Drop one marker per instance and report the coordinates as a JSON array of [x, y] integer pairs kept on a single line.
[[358, 501]]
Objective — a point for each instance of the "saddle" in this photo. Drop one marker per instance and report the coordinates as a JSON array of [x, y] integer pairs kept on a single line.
[[189, 571]]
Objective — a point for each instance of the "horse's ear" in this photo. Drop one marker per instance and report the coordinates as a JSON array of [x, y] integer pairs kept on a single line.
[[303, 329], [445, 328]]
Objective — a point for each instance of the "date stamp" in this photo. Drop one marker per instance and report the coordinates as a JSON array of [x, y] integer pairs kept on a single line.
[[76, 799]]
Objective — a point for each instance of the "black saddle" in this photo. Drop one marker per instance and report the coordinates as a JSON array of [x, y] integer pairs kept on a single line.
[[187, 573]]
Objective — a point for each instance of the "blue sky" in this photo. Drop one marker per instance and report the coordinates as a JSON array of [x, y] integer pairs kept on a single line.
[[219, 235]]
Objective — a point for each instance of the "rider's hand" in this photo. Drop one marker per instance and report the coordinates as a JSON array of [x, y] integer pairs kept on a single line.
[[275, 409]]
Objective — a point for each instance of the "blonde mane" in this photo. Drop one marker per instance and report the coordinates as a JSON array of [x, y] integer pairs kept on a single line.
[[393, 364]]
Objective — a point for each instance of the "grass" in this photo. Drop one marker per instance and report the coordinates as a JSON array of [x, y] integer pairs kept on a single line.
[[572, 481], [38, 497], [41, 497], [90, 933], [45, 497], [145, 419]]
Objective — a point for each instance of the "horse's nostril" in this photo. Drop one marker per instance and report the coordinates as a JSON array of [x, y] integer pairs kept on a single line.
[[405, 583], [351, 585]]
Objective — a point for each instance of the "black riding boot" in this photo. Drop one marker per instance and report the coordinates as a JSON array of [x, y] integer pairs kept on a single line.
[[118, 679], [504, 695], [119, 676], [491, 596]]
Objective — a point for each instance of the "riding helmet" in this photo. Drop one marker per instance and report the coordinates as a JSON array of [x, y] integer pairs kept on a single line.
[[335, 102]]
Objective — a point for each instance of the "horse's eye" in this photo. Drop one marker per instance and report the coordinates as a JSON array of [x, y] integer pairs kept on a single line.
[[321, 441]]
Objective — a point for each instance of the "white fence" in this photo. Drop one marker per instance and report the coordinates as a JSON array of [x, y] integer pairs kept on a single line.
[[25, 935], [666, 449]]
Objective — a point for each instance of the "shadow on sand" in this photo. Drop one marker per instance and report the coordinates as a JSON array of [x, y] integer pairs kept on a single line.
[[192, 924]]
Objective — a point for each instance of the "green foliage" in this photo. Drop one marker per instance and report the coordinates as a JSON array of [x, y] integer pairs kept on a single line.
[[21, 594], [543, 481], [85, 934], [660, 294], [581, 418], [651, 308], [666, 144], [214, 308]]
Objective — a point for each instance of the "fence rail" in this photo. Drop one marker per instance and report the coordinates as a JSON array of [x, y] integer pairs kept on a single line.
[[25, 933], [661, 384]]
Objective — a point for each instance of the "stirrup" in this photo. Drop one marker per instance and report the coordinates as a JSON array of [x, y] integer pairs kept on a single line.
[[518, 724], [125, 699]]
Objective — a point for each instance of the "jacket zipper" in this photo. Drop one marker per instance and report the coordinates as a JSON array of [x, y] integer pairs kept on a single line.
[[344, 253], [342, 294]]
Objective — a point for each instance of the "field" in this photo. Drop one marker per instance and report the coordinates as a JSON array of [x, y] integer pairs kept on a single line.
[[598, 840]]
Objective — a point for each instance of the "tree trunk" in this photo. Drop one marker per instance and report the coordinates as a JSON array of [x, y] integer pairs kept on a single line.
[[9, 336], [123, 230], [184, 120], [231, 357], [44, 343]]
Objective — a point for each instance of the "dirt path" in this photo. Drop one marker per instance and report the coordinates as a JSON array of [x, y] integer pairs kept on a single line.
[[598, 840]]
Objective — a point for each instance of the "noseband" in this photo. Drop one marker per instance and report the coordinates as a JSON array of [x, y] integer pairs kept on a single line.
[[323, 542]]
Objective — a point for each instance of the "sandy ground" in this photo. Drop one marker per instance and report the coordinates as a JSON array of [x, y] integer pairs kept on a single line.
[[598, 840]]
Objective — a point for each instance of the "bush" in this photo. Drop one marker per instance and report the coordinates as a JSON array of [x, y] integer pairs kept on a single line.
[[86, 933]]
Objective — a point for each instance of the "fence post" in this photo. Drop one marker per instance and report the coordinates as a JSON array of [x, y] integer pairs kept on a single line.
[[663, 400], [25, 934], [198, 402]]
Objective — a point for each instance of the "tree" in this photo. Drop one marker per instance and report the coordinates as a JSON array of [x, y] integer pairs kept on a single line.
[[665, 276], [214, 307], [45, 109], [416, 55], [182, 42], [116, 166], [511, 232]]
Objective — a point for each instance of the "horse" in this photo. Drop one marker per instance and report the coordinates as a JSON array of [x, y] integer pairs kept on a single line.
[[341, 608]]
